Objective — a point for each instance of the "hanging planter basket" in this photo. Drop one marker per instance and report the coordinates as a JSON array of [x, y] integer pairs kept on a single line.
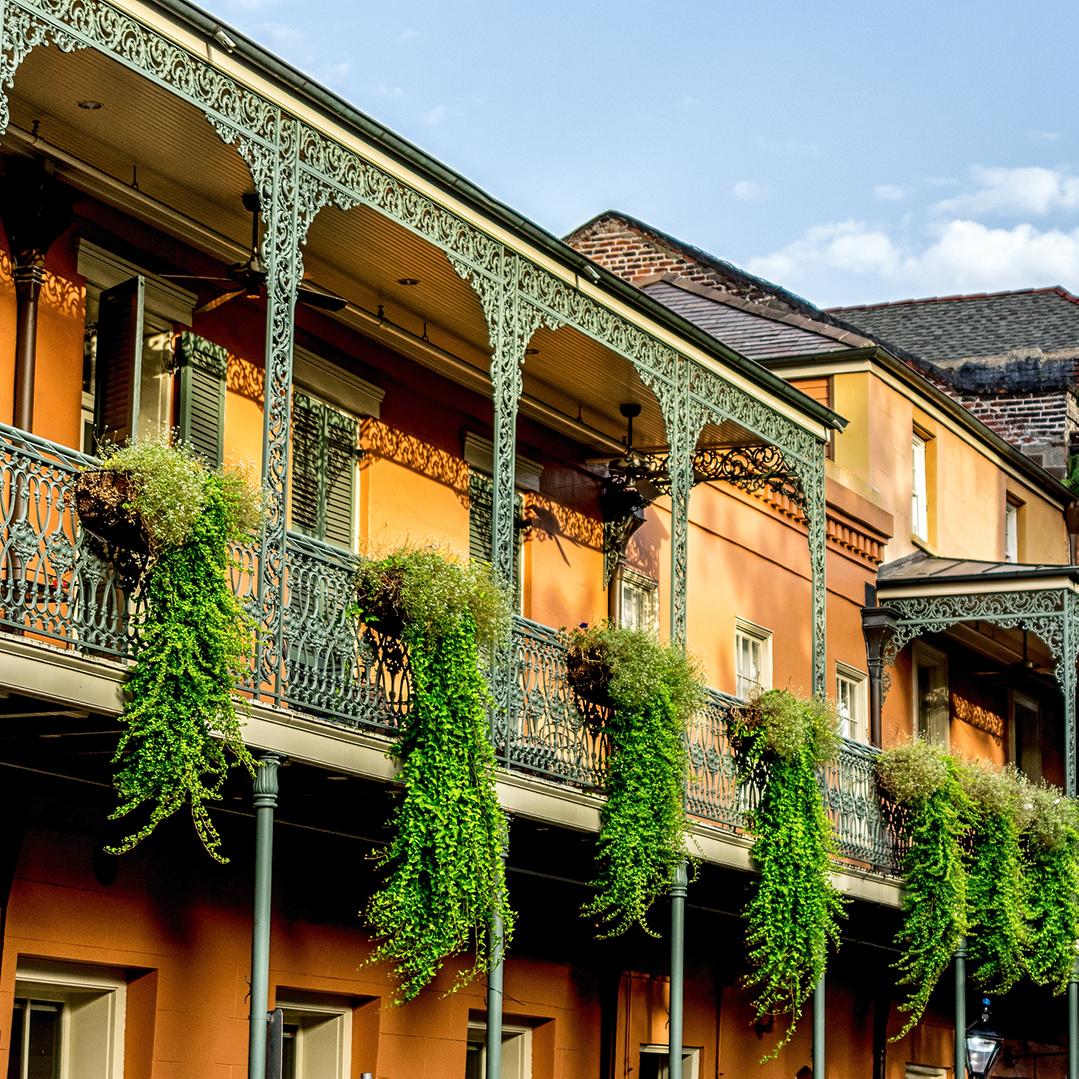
[[588, 669], [380, 607], [103, 499]]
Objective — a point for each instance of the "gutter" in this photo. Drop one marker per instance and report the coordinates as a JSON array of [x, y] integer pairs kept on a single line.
[[416, 159]]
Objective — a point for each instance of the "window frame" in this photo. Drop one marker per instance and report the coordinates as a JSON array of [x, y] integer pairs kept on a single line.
[[514, 1030], [309, 1011], [648, 589], [763, 637], [919, 497], [925, 655], [69, 984], [858, 730], [691, 1057], [1013, 508]]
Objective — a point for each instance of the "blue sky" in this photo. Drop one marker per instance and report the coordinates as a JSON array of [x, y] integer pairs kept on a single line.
[[851, 152]]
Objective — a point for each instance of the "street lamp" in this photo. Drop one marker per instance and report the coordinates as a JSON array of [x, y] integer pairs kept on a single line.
[[983, 1045]]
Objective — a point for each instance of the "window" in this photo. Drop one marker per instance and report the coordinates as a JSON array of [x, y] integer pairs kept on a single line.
[[317, 1037], [516, 1052], [752, 659], [324, 471], [655, 1062], [931, 708], [640, 602], [1025, 747], [850, 695], [67, 1023], [919, 508], [1011, 530]]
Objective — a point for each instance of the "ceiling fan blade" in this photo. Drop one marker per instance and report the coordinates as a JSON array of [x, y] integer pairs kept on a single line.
[[218, 301], [193, 277], [314, 296]]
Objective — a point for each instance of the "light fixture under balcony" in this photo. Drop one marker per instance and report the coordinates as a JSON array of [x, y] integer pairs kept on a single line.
[[89, 104], [408, 281]]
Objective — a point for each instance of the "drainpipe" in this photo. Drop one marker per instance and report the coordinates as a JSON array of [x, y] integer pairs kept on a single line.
[[819, 1007], [961, 1007], [678, 937], [265, 802], [877, 626]]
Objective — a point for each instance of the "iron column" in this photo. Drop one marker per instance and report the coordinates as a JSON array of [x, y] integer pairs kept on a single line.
[[961, 1008], [1073, 1023], [678, 938], [265, 801], [818, 1027], [497, 950]]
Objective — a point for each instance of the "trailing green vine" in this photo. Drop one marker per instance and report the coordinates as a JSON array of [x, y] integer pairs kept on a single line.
[[181, 731], [795, 908], [931, 813], [997, 888], [650, 691], [1051, 864], [444, 873]]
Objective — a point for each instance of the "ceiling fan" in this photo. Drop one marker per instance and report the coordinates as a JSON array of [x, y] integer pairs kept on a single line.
[[637, 469], [248, 278], [1020, 669]]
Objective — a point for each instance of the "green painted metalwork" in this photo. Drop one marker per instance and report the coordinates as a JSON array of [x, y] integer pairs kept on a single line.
[[265, 802], [819, 1026], [678, 932], [1050, 613], [961, 1007]]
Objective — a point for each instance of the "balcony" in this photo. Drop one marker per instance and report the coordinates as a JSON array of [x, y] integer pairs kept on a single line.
[[56, 590]]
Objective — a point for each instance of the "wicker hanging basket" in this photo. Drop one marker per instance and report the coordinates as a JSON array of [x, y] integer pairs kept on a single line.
[[588, 669], [380, 607], [103, 499]]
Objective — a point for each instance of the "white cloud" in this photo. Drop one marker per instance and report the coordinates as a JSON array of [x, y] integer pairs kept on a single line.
[[385, 90], [890, 192], [1043, 136], [1027, 190], [960, 255], [408, 35], [434, 116], [749, 191]]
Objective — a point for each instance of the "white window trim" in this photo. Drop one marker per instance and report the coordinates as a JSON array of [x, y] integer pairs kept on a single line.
[[475, 1025], [645, 584], [744, 628], [309, 1004], [691, 1057], [58, 982], [333, 384], [479, 453], [1011, 530], [861, 688], [925, 654], [919, 524]]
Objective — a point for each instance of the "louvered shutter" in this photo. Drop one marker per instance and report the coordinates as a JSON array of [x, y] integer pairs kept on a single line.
[[306, 440], [340, 433], [480, 516], [119, 361], [202, 367]]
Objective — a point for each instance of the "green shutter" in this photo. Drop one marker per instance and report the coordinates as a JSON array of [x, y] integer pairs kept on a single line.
[[202, 367], [480, 524], [119, 362], [340, 436], [323, 471], [306, 439]]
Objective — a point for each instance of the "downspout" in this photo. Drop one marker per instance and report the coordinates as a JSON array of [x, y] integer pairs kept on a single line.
[[265, 802], [878, 623]]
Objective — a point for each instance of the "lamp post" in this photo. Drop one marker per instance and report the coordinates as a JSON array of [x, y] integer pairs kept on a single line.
[[983, 1045]]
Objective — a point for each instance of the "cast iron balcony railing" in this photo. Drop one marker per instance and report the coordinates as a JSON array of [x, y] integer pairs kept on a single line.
[[55, 589]]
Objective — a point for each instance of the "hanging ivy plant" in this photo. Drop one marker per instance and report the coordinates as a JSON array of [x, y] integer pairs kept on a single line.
[[181, 731], [997, 888], [1051, 862], [931, 815], [444, 873], [650, 691], [795, 908]]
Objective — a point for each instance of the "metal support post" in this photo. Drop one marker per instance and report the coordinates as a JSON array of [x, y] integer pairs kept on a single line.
[[819, 1007], [877, 626], [961, 1009], [496, 945], [265, 802], [678, 939], [1073, 1023]]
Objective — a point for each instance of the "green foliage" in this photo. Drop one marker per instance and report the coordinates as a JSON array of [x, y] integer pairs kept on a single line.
[[181, 732], [653, 690], [168, 483], [1071, 480], [445, 878], [1051, 863], [431, 589], [933, 814], [996, 885], [795, 908]]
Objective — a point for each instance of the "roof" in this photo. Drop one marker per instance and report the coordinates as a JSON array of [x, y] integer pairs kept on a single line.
[[759, 332], [922, 569], [944, 328]]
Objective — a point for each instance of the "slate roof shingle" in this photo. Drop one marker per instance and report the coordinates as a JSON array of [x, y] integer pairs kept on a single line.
[[950, 328]]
